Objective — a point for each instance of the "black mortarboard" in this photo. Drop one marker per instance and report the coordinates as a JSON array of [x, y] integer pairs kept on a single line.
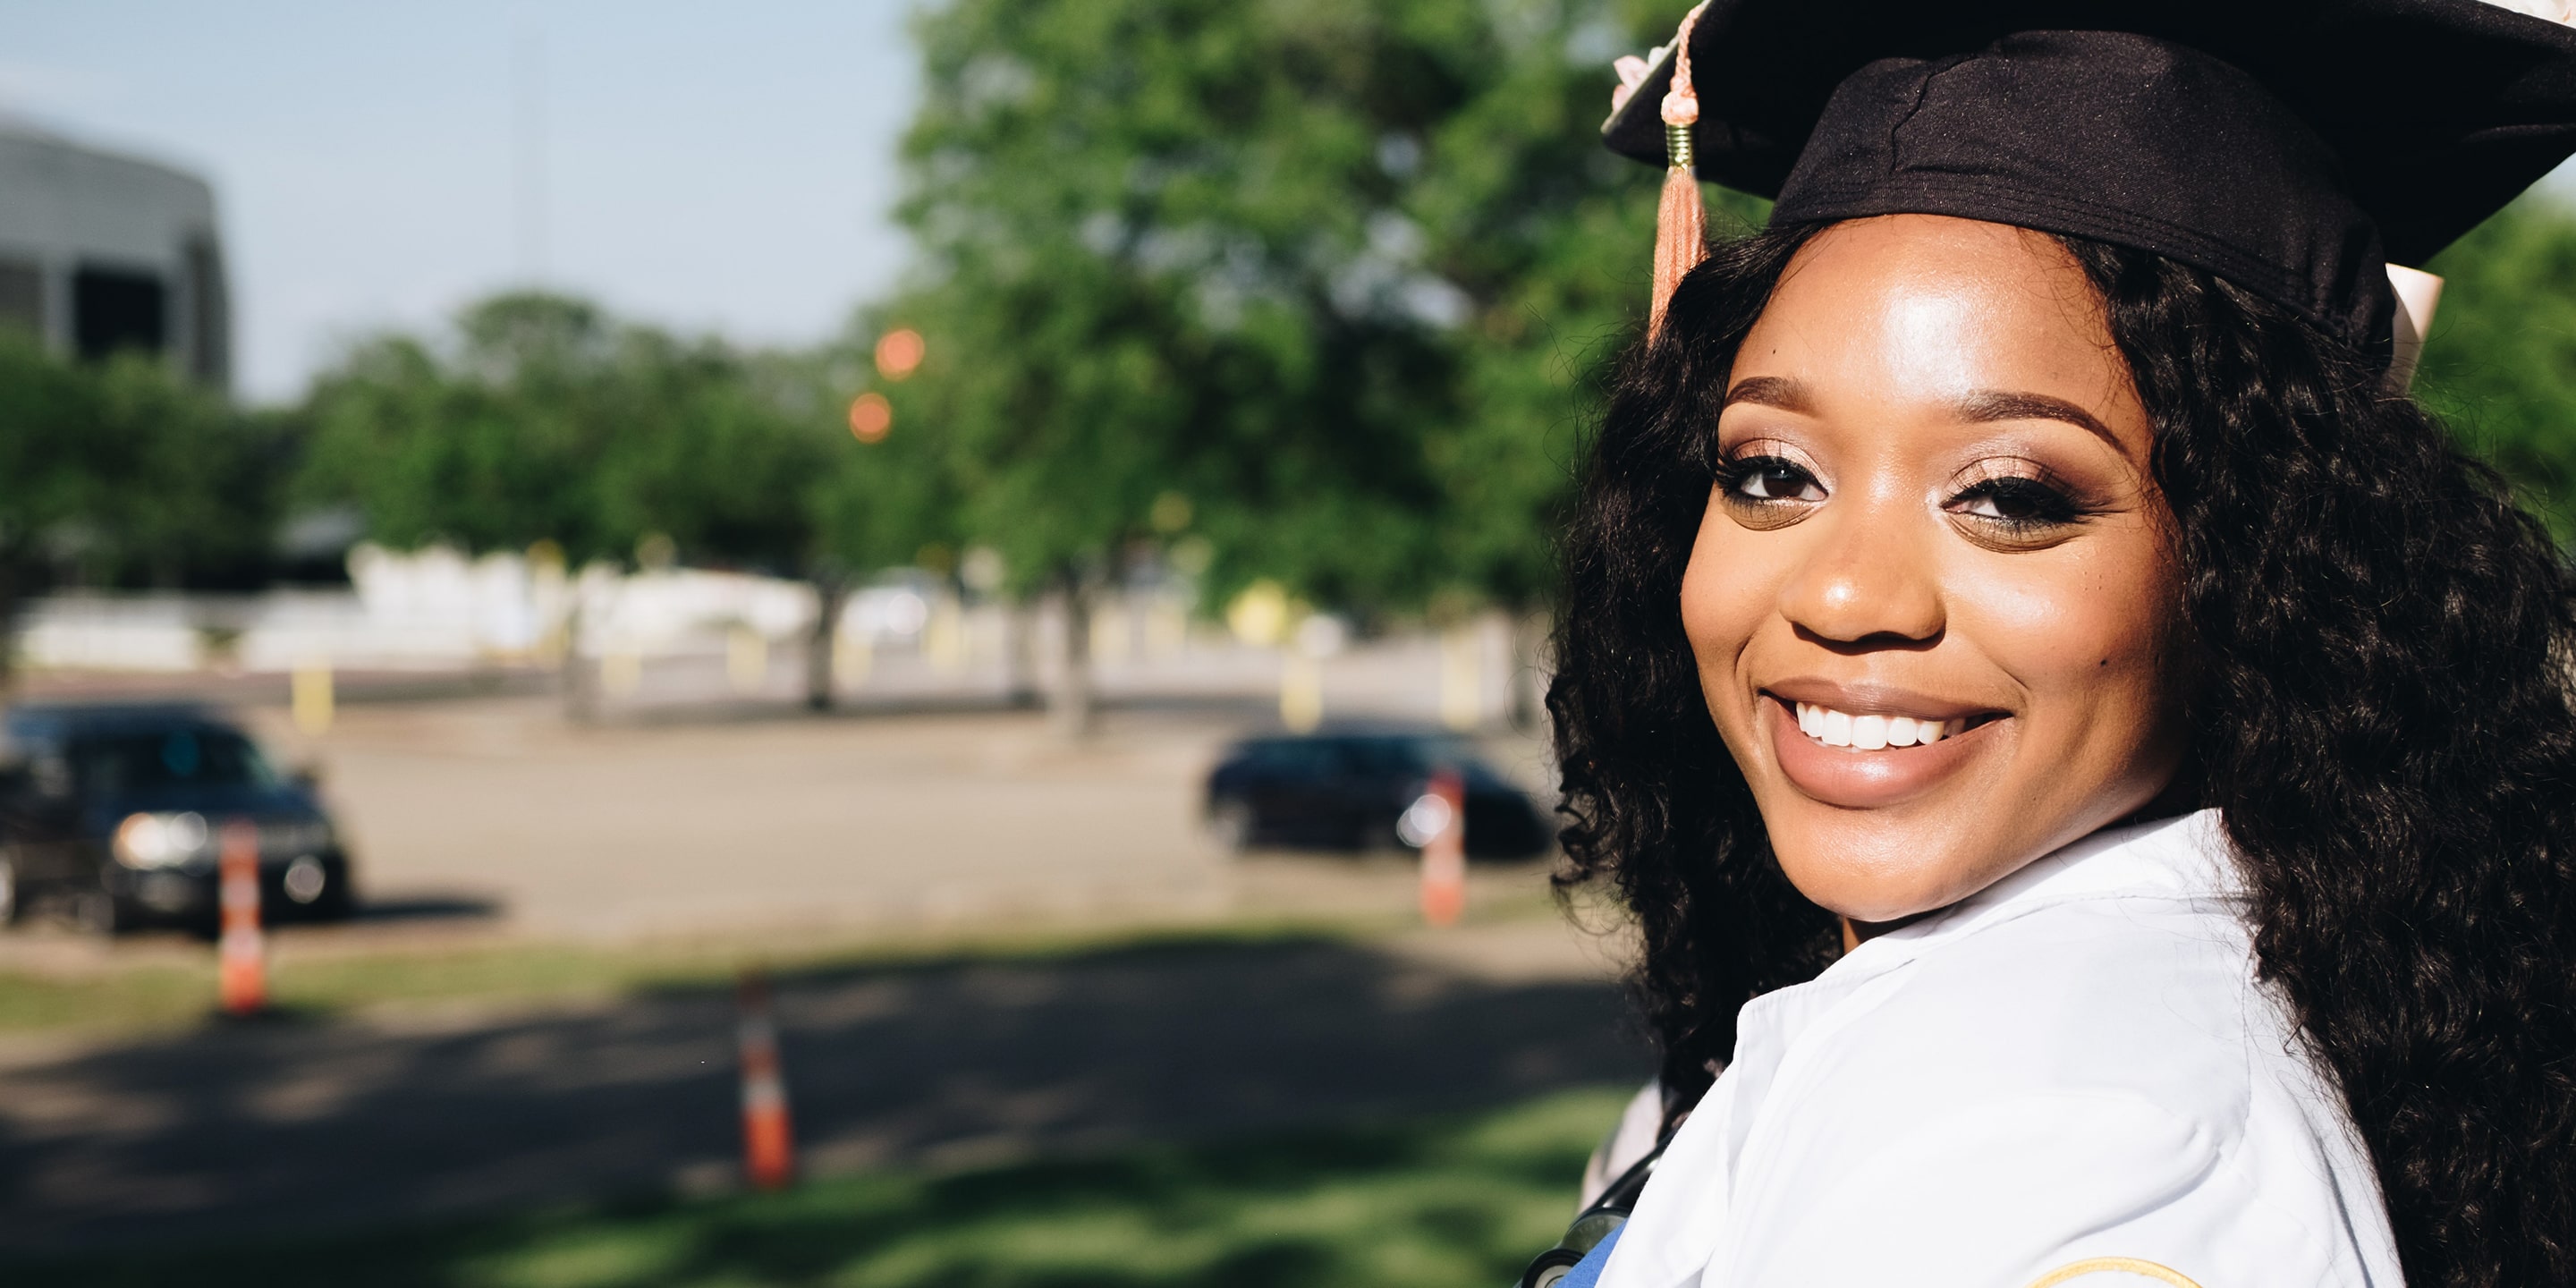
[[2293, 147]]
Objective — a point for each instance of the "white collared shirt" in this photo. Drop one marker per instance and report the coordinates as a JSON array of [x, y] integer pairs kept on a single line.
[[2077, 1065]]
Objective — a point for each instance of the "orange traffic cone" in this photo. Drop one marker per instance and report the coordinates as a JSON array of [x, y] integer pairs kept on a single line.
[[768, 1144], [1444, 854], [241, 954]]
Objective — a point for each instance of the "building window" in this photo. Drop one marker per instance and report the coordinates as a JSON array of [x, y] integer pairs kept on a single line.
[[116, 309], [22, 295]]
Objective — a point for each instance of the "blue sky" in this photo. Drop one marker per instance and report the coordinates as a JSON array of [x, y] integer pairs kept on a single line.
[[706, 166]]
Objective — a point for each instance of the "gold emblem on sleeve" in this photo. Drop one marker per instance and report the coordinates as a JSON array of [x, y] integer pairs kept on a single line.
[[2114, 1266]]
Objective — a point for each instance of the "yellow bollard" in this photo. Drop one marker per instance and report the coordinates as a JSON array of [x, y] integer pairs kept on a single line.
[[944, 638], [1461, 679], [1109, 634], [312, 698], [746, 659], [853, 657], [1301, 692], [621, 672], [1167, 629]]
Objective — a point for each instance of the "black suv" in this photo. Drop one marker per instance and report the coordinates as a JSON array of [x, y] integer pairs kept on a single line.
[[1352, 789], [115, 815]]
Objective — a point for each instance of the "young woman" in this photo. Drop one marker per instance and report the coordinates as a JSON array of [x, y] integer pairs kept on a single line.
[[2093, 766]]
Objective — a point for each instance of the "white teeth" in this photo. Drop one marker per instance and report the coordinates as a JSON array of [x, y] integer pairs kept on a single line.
[[1869, 733], [1872, 732]]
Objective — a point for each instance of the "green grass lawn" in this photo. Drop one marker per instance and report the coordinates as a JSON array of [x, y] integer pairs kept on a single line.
[[1461, 1202]]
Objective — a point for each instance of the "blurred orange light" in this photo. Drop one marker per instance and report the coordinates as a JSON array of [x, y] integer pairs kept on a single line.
[[899, 353], [870, 417]]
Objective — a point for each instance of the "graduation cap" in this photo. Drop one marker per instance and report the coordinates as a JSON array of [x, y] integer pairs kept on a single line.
[[2293, 147]]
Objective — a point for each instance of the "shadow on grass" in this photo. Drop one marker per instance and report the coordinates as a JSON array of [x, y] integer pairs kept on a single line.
[[247, 1130], [1456, 1200]]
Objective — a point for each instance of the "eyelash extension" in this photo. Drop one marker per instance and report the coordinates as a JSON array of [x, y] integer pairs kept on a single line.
[[2048, 504], [1732, 473]]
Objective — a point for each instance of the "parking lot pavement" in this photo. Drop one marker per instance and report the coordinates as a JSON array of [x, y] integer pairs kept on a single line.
[[633, 830], [243, 1129], [498, 810]]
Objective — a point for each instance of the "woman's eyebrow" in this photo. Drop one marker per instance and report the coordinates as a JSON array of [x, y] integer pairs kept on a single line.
[[1976, 408], [2002, 404], [1771, 391]]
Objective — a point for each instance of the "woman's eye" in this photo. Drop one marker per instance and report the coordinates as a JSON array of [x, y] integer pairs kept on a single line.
[[1770, 478], [2018, 501]]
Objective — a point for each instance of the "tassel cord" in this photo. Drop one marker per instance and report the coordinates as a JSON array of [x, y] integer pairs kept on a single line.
[[1681, 221]]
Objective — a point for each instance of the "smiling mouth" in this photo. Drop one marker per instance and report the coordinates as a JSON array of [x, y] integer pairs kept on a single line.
[[1876, 731]]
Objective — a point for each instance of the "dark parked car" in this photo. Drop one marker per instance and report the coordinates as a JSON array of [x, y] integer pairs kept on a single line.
[[1350, 790], [115, 815]]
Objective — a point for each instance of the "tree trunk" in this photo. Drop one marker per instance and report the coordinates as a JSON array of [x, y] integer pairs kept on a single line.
[[1020, 652], [576, 676], [1071, 709], [823, 647], [1533, 665]]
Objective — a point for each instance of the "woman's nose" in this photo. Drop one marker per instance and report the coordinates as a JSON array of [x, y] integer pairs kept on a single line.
[[1867, 580]]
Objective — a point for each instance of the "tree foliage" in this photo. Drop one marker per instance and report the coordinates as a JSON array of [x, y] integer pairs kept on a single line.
[[541, 418], [122, 473], [2501, 362], [893, 501], [1340, 273]]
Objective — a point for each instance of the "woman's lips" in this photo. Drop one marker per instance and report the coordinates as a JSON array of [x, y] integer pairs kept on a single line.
[[1856, 778]]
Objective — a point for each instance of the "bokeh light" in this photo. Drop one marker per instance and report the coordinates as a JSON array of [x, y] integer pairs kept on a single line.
[[899, 353], [870, 417]]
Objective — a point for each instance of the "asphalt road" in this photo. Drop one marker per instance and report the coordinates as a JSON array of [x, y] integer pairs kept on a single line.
[[778, 821], [239, 1130]]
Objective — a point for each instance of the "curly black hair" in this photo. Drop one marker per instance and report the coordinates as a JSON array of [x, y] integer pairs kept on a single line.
[[2382, 712]]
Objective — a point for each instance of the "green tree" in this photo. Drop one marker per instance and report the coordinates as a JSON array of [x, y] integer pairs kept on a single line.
[[2501, 362], [1338, 273], [1549, 238], [490, 444], [183, 488], [122, 473]]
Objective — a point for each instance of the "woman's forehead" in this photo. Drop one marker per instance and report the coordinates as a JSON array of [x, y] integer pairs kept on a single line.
[[1924, 307]]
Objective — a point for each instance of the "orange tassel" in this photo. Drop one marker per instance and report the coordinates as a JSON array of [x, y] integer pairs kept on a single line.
[[1681, 222], [1681, 239]]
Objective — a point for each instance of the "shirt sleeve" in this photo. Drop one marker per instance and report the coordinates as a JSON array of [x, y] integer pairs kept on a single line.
[[2002, 1194]]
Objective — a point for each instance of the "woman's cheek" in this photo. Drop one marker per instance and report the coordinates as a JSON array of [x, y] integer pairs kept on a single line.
[[2084, 635], [1728, 592]]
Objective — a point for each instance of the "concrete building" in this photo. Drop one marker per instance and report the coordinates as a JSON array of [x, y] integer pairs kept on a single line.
[[101, 252]]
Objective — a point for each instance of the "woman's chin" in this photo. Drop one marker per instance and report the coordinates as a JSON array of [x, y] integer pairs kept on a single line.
[[1928, 851], [1875, 893]]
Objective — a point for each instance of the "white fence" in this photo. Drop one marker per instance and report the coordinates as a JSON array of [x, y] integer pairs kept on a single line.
[[430, 610], [685, 634]]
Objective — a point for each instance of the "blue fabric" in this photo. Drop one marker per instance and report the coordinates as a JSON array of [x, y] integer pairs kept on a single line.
[[1587, 1272]]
